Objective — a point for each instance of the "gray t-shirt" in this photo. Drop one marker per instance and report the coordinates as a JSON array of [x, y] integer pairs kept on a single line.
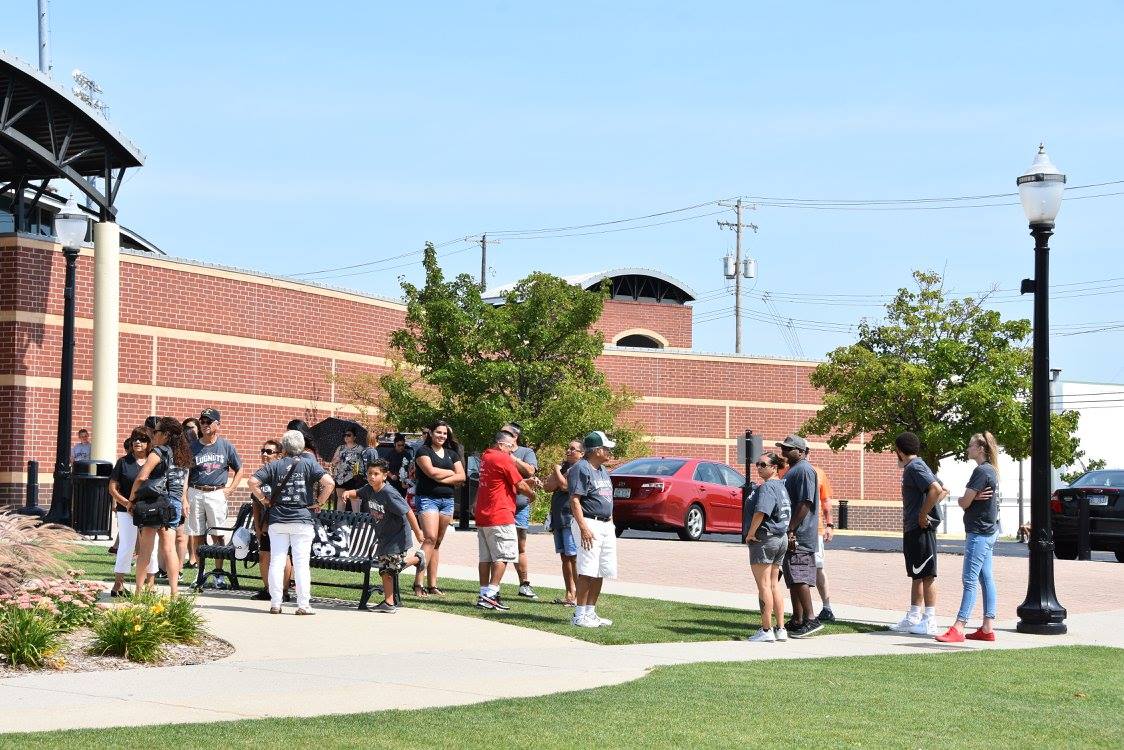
[[527, 456], [982, 516], [770, 498], [803, 487], [917, 478], [593, 488], [388, 510], [292, 505], [212, 462], [560, 515]]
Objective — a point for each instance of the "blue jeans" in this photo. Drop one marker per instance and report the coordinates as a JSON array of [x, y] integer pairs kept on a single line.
[[523, 517], [977, 568]]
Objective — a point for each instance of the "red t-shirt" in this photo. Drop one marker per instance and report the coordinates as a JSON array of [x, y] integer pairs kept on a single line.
[[495, 496]]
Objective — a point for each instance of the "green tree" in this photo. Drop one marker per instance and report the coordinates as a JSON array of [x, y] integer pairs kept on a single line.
[[1069, 477], [941, 367], [479, 365]]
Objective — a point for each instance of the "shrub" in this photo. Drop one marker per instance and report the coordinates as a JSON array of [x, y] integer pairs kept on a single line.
[[29, 634], [29, 550], [185, 624], [137, 631]]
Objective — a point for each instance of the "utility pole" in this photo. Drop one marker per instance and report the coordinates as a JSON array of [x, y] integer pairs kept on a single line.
[[44, 39], [483, 243], [737, 226]]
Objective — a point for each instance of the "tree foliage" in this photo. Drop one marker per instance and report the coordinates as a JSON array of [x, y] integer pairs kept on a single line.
[[479, 365], [1069, 477], [941, 367]]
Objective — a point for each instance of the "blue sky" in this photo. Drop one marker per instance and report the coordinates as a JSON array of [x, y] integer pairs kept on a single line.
[[291, 137]]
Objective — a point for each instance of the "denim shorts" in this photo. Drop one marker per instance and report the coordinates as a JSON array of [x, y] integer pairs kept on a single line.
[[177, 510], [442, 505], [523, 517], [564, 543]]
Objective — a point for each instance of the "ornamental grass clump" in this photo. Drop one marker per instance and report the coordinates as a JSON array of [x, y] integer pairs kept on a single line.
[[185, 624], [30, 551], [136, 631], [29, 633]]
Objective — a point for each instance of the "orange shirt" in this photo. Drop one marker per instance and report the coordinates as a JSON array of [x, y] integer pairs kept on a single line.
[[825, 497]]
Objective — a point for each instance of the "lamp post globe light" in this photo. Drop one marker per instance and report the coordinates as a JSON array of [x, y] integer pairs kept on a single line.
[[71, 224], [1040, 191]]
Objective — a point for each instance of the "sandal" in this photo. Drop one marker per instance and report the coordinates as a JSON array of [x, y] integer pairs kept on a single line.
[[420, 592], [565, 602], [274, 610], [434, 591], [304, 612]]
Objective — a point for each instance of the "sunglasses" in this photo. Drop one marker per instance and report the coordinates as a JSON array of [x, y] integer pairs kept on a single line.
[[206, 422], [762, 465], [572, 449], [268, 451]]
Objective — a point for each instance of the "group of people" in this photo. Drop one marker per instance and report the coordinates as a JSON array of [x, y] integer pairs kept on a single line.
[[780, 528]]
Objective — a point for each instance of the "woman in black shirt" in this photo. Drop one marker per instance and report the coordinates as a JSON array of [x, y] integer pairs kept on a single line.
[[120, 486], [168, 462], [438, 469]]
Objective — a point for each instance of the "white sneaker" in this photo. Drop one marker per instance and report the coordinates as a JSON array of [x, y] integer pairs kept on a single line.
[[602, 622], [780, 634], [906, 624], [763, 636], [925, 627], [585, 622]]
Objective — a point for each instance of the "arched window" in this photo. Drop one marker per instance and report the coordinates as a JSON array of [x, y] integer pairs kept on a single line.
[[639, 340]]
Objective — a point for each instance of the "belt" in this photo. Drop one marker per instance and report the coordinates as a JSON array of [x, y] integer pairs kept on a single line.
[[606, 519], [209, 487]]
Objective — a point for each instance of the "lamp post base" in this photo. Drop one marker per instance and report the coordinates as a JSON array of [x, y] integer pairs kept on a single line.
[[1042, 628]]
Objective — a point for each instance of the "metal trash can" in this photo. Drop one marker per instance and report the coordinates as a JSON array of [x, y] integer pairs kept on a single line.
[[844, 515], [91, 507]]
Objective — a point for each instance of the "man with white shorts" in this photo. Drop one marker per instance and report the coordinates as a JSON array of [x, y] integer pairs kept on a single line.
[[497, 542], [591, 504], [215, 457]]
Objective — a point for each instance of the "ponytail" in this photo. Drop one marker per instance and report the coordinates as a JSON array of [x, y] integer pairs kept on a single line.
[[991, 449]]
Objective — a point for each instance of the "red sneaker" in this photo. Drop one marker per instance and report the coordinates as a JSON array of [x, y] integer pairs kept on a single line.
[[979, 635], [952, 635]]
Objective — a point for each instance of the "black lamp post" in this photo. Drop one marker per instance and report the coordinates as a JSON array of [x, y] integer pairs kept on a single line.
[[70, 229], [1040, 190]]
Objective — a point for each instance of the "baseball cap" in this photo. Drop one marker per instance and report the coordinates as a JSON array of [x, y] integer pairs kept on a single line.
[[598, 439], [793, 441], [513, 428], [211, 414]]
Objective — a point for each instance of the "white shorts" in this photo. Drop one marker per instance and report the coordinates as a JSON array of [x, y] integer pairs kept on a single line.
[[819, 552], [207, 509], [600, 561]]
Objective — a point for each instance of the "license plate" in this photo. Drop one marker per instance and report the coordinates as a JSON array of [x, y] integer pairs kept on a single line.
[[622, 492], [1098, 500]]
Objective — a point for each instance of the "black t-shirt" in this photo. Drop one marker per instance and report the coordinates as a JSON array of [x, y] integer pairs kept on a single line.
[[426, 485], [560, 514], [396, 459], [125, 473]]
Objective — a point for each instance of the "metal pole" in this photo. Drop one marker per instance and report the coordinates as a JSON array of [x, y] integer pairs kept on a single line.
[[31, 500], [44, 38], [738, 277], [60, 510], [1022, 519], [483, 262], [1041, 613], [1083, 542]]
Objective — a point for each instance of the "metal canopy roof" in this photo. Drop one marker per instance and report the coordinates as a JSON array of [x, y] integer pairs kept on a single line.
[[47, 133], [625, 283]]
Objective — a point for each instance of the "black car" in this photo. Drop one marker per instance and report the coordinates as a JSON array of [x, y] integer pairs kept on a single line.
[[1105, 490]]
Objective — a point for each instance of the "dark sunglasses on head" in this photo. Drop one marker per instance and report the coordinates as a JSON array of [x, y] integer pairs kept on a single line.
[[267, 451], [762, 465]]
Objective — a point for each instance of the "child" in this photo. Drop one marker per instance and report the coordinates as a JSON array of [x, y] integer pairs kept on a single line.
[[391, 514]]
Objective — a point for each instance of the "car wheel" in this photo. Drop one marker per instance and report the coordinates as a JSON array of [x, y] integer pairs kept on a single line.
[[694, 523], [1065, 550], [621, 530]]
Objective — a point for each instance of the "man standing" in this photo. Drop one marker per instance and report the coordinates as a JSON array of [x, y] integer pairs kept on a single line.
[[214, 458], [528, 464], [564, 543], [591, 507], [921, 491], [500, 480], [81, 449], [396, 456], [826, 532], [800, 563]]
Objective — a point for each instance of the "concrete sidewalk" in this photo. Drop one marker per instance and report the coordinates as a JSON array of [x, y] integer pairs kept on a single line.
[[344, 661]]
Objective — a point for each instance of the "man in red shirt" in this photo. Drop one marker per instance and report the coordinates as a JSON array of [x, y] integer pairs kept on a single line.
[[497, 542]]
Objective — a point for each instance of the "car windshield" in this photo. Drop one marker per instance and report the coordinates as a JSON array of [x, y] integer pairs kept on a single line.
[[650, 467], [1101, 479]]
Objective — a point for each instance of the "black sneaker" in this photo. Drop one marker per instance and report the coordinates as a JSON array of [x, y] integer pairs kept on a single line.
[[261, 596], [286, 597], [485, 602], [189, 566], [792, 625], [826, 615], [384, 608], [807, 629], [500, 603], [161, 574]]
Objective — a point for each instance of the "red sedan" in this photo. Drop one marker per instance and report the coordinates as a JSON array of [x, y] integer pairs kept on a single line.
[[686, 495]]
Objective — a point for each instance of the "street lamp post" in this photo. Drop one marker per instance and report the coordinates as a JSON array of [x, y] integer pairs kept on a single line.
[[1040, 190], [70, 229]]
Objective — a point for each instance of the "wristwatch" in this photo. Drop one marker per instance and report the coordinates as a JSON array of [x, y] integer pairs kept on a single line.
[[830, 525]]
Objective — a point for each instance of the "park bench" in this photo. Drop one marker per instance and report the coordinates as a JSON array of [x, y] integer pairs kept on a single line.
[[358, 558]]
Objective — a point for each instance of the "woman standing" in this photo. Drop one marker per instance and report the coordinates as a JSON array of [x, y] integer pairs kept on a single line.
[[981, 527], [120, 487], [270, 452], [438, 469], [169, 461], [766, 522], [347, 463], [290, 482]]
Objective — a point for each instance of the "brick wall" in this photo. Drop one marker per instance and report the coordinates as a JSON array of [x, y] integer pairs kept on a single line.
[[195, 336]]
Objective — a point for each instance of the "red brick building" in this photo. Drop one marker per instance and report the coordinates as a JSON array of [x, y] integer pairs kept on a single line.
[[194, 335]]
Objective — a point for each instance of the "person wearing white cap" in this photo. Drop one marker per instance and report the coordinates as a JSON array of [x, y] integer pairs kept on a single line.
[[591, 504]]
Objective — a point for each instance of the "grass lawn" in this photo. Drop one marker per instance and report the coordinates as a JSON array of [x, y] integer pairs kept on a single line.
[[635, 620], [1053, 697]]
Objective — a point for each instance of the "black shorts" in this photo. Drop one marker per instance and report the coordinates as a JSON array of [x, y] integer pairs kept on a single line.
[[920, 549]]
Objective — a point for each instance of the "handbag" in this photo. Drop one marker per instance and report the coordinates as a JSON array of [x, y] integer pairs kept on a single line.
[[151, 507]]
